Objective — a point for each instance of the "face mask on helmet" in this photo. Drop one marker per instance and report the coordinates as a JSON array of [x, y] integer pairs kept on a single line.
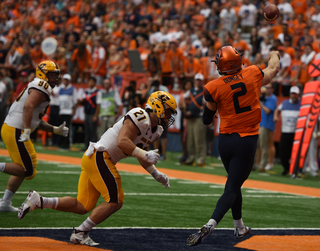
[[164, 106], [50, 72]]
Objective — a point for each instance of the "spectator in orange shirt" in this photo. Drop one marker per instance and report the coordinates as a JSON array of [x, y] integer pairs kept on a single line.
[[317, 37], [74, 19], [144, 50], [276, 28], [208, 68], [125, 64], [162, 50], [306, 59], [61, 57], [298, 26], [287, 46], [191, 66], [176, 59], [240, 44], [299, 6], [310, 10], [128, 38], [48, 24], [308, 39], [36, 54], [116, 32], [113, 60], [295, 64], [81, 58], [281, 80], [99, 56]]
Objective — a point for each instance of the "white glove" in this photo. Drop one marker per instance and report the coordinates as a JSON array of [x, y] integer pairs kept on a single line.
[[151, 156], [61, 130], [25, 136], [161, 177]]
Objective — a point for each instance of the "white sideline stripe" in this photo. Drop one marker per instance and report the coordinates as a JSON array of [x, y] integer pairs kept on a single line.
[[115, 228], [293, 195], [185, 195], [60, 172]]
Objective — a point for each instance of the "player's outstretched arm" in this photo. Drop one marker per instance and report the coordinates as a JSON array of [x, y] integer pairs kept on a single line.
[[60, 130], [156, 174], [273, 67], [126, 136]]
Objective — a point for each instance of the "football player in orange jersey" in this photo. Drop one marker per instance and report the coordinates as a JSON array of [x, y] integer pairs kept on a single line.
[[236, 96]]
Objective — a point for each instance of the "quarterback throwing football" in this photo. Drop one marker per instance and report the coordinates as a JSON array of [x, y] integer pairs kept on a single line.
[[236, 96]]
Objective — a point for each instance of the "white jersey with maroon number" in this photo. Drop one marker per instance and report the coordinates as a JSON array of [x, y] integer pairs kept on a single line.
[[14, 117], [142, 120]]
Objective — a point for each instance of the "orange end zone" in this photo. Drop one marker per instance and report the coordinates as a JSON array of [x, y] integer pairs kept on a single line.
[[40, 244], [281, 243]]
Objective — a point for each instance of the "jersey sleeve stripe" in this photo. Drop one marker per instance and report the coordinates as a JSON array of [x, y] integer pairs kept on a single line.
[[261, 71], [207, 95], [46, 94], [128, 117]]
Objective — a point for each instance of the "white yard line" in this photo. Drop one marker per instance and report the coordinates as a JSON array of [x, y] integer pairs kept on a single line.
[[180, 195]]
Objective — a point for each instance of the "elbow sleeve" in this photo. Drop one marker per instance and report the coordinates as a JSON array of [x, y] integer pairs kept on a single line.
[[207, 116]]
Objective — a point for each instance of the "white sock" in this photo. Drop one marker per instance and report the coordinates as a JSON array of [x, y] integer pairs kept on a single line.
[[238, 223], [2, 166], [8, 195], [87, 225], [50, 202], [212, 222]]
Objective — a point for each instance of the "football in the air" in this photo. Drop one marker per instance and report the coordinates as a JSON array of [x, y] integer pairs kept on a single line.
[[271, 12]]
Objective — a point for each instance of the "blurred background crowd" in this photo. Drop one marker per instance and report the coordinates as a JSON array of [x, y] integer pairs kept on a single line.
[[175, 41]]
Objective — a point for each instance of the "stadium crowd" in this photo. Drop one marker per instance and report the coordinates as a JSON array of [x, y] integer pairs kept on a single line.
[[176, 39]]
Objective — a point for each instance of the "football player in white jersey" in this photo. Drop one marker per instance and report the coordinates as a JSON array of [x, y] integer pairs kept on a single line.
[[24, 116], [131, 135]]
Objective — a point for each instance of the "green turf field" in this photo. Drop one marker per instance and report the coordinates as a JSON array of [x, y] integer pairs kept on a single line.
[[186, 204]]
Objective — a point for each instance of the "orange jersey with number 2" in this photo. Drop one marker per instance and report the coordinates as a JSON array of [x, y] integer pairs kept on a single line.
[[237, 98]]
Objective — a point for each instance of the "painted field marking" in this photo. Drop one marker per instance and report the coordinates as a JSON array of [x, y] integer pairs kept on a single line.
[[180, 195]]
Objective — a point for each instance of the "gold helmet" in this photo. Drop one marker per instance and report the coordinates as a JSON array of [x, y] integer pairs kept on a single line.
[[49, 71], [164, 106]]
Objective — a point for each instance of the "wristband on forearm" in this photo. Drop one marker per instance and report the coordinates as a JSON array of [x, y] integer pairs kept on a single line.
[[138, 152], [151, 169], [55, 129], [207, 116], [27, 131]]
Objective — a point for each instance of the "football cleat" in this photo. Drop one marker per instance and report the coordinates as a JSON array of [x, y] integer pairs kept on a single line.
[[198, 237], [268, 167], [32, 202], [82, 238], [240, 232], [6, 206]]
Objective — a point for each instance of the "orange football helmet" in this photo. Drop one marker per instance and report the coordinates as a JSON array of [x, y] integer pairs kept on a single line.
[[228, 60]]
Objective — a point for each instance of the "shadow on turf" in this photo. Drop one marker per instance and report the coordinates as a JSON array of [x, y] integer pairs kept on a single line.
[[153, 239]]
